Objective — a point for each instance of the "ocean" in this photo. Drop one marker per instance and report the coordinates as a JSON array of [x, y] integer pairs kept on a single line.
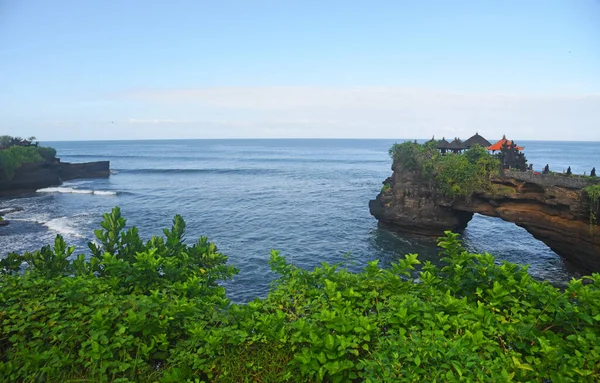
[[306, 198]]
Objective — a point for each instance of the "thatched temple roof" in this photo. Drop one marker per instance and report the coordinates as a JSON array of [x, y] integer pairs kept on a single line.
[[442, 144], [477, 140], [457, 144]]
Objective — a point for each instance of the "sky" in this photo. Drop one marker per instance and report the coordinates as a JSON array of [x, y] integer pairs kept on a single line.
[[114, 69]]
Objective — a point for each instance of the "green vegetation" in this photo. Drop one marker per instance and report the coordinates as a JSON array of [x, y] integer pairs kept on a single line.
[[456, 175], [386, 187], [15, 156], [593, 194], [14, 152], [154, 311], [47, 153]]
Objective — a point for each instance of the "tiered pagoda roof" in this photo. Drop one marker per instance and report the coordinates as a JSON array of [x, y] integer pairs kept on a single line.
[[498, 145]]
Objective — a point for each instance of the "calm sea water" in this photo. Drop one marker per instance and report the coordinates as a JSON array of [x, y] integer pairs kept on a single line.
[[305, 198]]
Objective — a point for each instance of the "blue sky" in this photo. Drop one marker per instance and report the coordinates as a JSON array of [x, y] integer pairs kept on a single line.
[[382, 69]]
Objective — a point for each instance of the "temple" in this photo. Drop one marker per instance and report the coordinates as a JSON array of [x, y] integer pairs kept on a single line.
[[477, 140], [509, 153], [498, 145]]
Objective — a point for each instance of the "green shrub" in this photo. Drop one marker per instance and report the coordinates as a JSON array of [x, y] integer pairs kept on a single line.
[[15, 156], [115, 315], [47, 153], [593, 196], [12, 157], [154, 311], [456, 175], [386, 187]]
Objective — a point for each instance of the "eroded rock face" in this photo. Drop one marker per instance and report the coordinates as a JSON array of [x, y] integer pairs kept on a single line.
[[414, 205], [34, 176], [98, 169], [559, 216]]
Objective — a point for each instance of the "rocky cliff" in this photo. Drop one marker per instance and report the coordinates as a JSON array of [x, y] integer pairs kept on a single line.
[[556, 213], [33, 176]]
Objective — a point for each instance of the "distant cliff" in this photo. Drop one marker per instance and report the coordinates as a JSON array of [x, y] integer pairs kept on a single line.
[[30, 177], [553, 209]]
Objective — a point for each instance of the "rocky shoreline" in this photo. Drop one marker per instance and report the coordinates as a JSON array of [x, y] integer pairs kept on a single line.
[[31, 177], [38, 175]]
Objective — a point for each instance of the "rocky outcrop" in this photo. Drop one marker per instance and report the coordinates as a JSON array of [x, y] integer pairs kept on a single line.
[[99, 169], [33, 176], [556, 213], [414, 205]]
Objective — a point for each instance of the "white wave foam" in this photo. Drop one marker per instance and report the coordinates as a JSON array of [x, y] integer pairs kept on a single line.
[[63, 226], [75, 191], [113, 171], [103, 192]]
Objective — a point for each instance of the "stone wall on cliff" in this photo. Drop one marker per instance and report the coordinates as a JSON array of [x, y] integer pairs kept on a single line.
[[572, 181]]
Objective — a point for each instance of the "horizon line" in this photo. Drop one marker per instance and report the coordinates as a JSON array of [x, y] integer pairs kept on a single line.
[[286, 138]]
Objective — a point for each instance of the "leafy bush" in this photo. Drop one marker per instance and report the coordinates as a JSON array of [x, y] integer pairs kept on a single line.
[[386, 187], [15, 156], [114, 315], [154, 311], [47, 153]]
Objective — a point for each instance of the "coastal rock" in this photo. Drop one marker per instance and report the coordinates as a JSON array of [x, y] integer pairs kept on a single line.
[[8, 210], [415, 206], [556, 213], [33, 176], [98, 169]]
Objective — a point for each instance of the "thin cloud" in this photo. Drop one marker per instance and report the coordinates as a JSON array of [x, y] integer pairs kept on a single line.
[[369, 112], [157, 121], [362, 97]]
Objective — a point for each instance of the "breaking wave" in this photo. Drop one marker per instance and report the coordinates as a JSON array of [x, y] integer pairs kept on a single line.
[[76, 191], [64, 226], [249, 171]]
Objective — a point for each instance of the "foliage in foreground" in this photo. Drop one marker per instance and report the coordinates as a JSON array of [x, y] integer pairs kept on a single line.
[[456, 175], [153, 311], [15, 156]]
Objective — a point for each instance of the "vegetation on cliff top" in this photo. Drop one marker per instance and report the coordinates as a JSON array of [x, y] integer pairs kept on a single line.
[[593, 194], [14, 152], [154, 311], [456, 175]]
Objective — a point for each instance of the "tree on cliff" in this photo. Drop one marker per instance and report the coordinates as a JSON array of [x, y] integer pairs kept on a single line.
[[593, 172], [5, 141], [546, 169], [511, 157]]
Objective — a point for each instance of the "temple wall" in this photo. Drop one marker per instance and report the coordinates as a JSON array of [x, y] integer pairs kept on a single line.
[[573, 181]]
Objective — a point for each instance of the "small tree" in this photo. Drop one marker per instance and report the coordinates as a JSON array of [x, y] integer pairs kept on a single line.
[[593, 172], [546, 169], [569, 171], [5, 141]]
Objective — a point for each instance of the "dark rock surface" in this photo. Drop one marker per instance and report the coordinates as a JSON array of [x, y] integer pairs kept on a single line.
[[8, 210], [99, 169], [34, 176], [557, 215], [415, 206]]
